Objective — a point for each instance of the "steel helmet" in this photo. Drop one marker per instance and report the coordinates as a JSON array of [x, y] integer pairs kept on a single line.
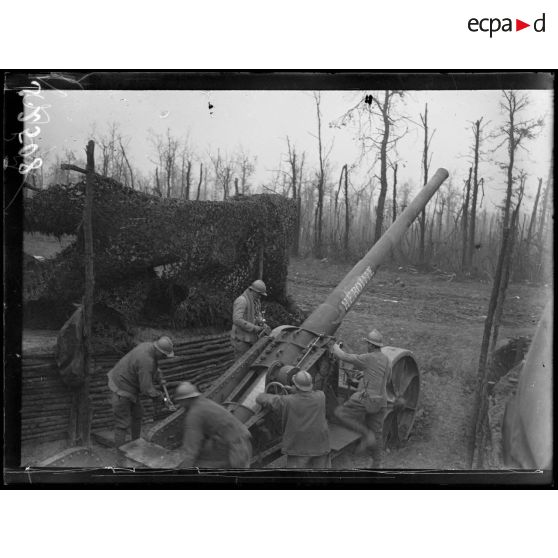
[[185, 390], [259, 286], [302, 380], [374, 338], [164, 345]]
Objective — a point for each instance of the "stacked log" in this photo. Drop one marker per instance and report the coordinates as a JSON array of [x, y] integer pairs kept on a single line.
[[46, 401]]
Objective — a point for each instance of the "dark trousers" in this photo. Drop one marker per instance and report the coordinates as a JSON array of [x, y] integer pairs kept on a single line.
[[354, 414], [308, 461], [127, 417]]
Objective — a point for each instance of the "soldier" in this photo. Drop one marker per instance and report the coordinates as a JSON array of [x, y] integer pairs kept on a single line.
[[212, 436], [247, 319], [365, 410], [134, 374], [305, 433]]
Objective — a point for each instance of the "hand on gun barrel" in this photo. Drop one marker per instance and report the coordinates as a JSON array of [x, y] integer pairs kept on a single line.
[[166, 397]]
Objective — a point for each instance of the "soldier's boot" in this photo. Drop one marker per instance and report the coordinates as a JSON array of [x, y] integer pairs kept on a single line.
[[368, 443]]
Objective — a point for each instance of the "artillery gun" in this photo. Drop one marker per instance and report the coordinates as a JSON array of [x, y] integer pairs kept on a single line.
[[274, 359]]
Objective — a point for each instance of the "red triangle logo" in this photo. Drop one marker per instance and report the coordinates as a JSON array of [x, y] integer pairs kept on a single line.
[[519, 25]]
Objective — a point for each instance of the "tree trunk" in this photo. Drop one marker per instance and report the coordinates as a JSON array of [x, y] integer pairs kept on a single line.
[[236, 190], [422, 220], [480, 405], [464, 220], [318, 220], [200, 182], [533, 215], [347, 212], [394, 202], [127, 164], [169, 170], [157, 184], [383, 170], [188, 178], [506, 272], [473, 212], [298, 222], [84, 414], [296, 243], [511, 153], [543, 217]]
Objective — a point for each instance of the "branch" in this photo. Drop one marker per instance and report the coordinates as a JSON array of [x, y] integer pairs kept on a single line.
[[66, 166]]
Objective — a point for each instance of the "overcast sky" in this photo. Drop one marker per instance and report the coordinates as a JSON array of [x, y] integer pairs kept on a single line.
[[259, 121]]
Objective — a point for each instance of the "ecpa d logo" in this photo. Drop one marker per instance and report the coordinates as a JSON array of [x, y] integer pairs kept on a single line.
[[492, 25]]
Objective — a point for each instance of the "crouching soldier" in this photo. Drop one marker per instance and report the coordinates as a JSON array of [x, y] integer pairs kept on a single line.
[[364, 412], [305, 433], [247, 318], [212, 436], [134, 375]]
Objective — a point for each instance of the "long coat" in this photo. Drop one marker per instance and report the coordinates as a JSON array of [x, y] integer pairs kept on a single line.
[[246, 312]]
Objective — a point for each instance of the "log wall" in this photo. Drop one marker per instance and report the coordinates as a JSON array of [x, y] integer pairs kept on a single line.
[[46, 401]]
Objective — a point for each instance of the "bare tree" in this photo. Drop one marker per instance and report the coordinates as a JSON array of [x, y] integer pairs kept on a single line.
[[320, 184], [200, 181], [295, 189], [514, 132], [127, 162], [465, 220], [223, 168], [186, 162], [166, 149], [347, 212], [542, 220], [533, 215], [245, 168], [477, 142], [426, 160], [377, 132], [395, 166], [171, 148]]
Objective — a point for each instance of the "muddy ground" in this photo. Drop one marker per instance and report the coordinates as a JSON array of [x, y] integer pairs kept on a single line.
[[441, 321]]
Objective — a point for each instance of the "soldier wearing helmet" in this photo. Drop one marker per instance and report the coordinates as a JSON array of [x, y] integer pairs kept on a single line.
[[305, 439], [212, 436], [134, 375], [247, 318], [365, 410]]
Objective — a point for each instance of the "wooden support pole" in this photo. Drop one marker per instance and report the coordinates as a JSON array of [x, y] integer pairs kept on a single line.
[[84, 406], [481, 396]]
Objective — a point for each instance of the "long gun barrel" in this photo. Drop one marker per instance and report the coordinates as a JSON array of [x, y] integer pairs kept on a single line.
[[329, 315]]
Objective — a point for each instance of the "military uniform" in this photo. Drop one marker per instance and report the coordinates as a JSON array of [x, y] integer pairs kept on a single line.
[[305, 439], [214, 438], [132, 375], [246, 316], [365, 410]]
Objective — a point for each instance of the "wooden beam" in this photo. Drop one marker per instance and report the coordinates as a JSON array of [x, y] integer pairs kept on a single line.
[[85, 407]]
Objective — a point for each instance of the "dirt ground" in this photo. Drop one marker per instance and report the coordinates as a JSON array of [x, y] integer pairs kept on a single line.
[[441, 321]]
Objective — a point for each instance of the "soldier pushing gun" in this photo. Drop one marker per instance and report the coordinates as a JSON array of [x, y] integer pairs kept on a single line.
[[364, 411]]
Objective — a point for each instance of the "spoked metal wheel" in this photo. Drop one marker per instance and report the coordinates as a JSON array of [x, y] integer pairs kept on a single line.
[[402, 390]]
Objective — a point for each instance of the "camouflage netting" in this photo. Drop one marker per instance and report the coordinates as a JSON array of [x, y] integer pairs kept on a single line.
[[173, 260]]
